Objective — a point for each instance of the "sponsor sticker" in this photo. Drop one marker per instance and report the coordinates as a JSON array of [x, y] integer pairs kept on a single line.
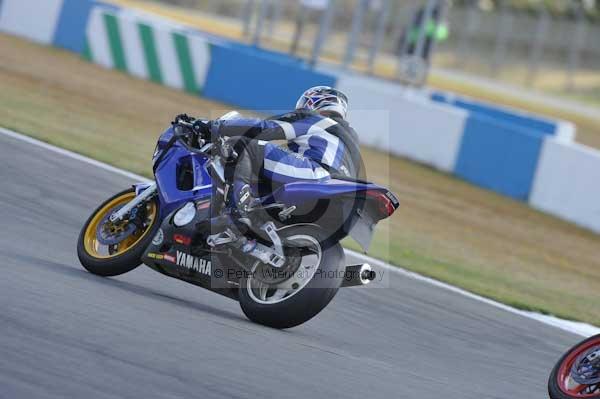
[[152, 255], [194, 263], [169, 258], [181, 239], [203, 205], [158, 238], [392, 198]]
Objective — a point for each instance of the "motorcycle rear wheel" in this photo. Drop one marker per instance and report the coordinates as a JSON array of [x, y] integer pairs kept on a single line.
[[124, 256], [308, 290]]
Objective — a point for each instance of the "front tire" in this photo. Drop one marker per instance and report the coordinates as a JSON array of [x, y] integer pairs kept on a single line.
[[311, 296], [561, 384], [125, 255]]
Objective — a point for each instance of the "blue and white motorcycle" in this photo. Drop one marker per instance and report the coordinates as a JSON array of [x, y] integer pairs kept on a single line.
[[281, 260]]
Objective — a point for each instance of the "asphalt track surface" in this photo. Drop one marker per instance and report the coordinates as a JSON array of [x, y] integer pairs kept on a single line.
[[65, 333]]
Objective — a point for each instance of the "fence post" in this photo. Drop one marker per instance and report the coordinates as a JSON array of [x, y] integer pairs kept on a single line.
[[422, 38], [380, 30], [505, 27], [299, 30], [275, 11], [355, 32], [325, 25], [471, 25], [246, 16], [276, 14], [260, 21], [537, 45], [575, 48], [442, 18], [402, 19]]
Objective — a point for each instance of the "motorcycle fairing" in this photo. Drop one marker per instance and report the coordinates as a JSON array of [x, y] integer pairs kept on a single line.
[[304, 191], [167, 172], [139, 187], [360, 220]]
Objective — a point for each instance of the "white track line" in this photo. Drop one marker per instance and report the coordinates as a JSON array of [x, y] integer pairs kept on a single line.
[[71, 154], [575, 327], [578, 328]]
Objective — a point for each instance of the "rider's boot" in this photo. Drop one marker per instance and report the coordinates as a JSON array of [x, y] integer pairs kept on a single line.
[[242, 196]]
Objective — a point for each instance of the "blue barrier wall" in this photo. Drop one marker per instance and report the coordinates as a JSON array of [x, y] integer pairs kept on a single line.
[[72, 24], [259, 80], [499, 156], [536, 123]]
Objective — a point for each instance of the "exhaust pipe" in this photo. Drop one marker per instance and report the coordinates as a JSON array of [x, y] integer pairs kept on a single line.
[[357, 275]]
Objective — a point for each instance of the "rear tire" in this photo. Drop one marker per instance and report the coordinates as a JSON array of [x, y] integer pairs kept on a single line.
[[309, 300], [121, 263]]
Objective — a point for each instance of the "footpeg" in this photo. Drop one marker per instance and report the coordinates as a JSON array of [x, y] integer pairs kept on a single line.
[[286, 213], [266, 255], [225, 237], [271, 231]]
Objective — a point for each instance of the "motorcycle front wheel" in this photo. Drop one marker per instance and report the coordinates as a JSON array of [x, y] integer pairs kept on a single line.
[[287, 297], [110, 249], [577, 373]]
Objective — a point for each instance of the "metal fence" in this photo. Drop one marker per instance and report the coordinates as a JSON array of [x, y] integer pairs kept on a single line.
[[533, 41], [491, 42]]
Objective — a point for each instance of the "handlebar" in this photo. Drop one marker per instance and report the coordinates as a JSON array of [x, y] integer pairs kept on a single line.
[[184, 125], [195, 130]]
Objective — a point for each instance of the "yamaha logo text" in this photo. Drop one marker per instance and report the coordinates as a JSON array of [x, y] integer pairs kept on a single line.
[[194, 263]]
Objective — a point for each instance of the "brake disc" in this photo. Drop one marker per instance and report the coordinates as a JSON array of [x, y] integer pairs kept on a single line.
[[109, 233], [586, 369]]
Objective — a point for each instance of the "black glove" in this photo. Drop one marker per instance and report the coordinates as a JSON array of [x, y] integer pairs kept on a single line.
[[202, 129], [184, 118]]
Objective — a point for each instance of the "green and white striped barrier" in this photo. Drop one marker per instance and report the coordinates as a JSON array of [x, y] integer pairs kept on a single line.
[[148, 48]]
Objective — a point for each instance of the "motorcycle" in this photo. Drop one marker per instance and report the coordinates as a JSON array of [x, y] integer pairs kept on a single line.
[[577, 373], [282, 260]]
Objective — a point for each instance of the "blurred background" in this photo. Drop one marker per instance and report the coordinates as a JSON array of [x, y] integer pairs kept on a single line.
[[550, 45]]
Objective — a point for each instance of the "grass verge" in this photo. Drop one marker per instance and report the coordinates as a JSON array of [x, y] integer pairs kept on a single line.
[[445, 228]]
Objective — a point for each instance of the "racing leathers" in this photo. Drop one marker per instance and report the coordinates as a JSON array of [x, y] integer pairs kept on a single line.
[[316, 147]]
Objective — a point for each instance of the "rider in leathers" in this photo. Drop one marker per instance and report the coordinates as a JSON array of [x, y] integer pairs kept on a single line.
[[320, 143]]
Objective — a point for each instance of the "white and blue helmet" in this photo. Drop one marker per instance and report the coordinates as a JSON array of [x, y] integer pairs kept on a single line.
[[324, 98]]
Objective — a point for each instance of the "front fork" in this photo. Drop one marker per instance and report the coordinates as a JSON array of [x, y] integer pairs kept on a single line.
[[141, 197]]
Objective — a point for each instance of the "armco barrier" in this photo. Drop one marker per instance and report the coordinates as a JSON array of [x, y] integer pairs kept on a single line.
[[491, 153], [402, 122], [499, 156], [259, 80], [561, 129], [72, 24], [61, 23], [161, 52], [170, 54], [31, 19], [567, 183]]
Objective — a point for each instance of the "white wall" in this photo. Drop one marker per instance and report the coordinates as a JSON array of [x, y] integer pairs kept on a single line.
[[32, 19], [567, 183], [566, 131], [403, 122]]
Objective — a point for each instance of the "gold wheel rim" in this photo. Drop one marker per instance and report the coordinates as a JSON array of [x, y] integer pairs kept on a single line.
[[97, 250]]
